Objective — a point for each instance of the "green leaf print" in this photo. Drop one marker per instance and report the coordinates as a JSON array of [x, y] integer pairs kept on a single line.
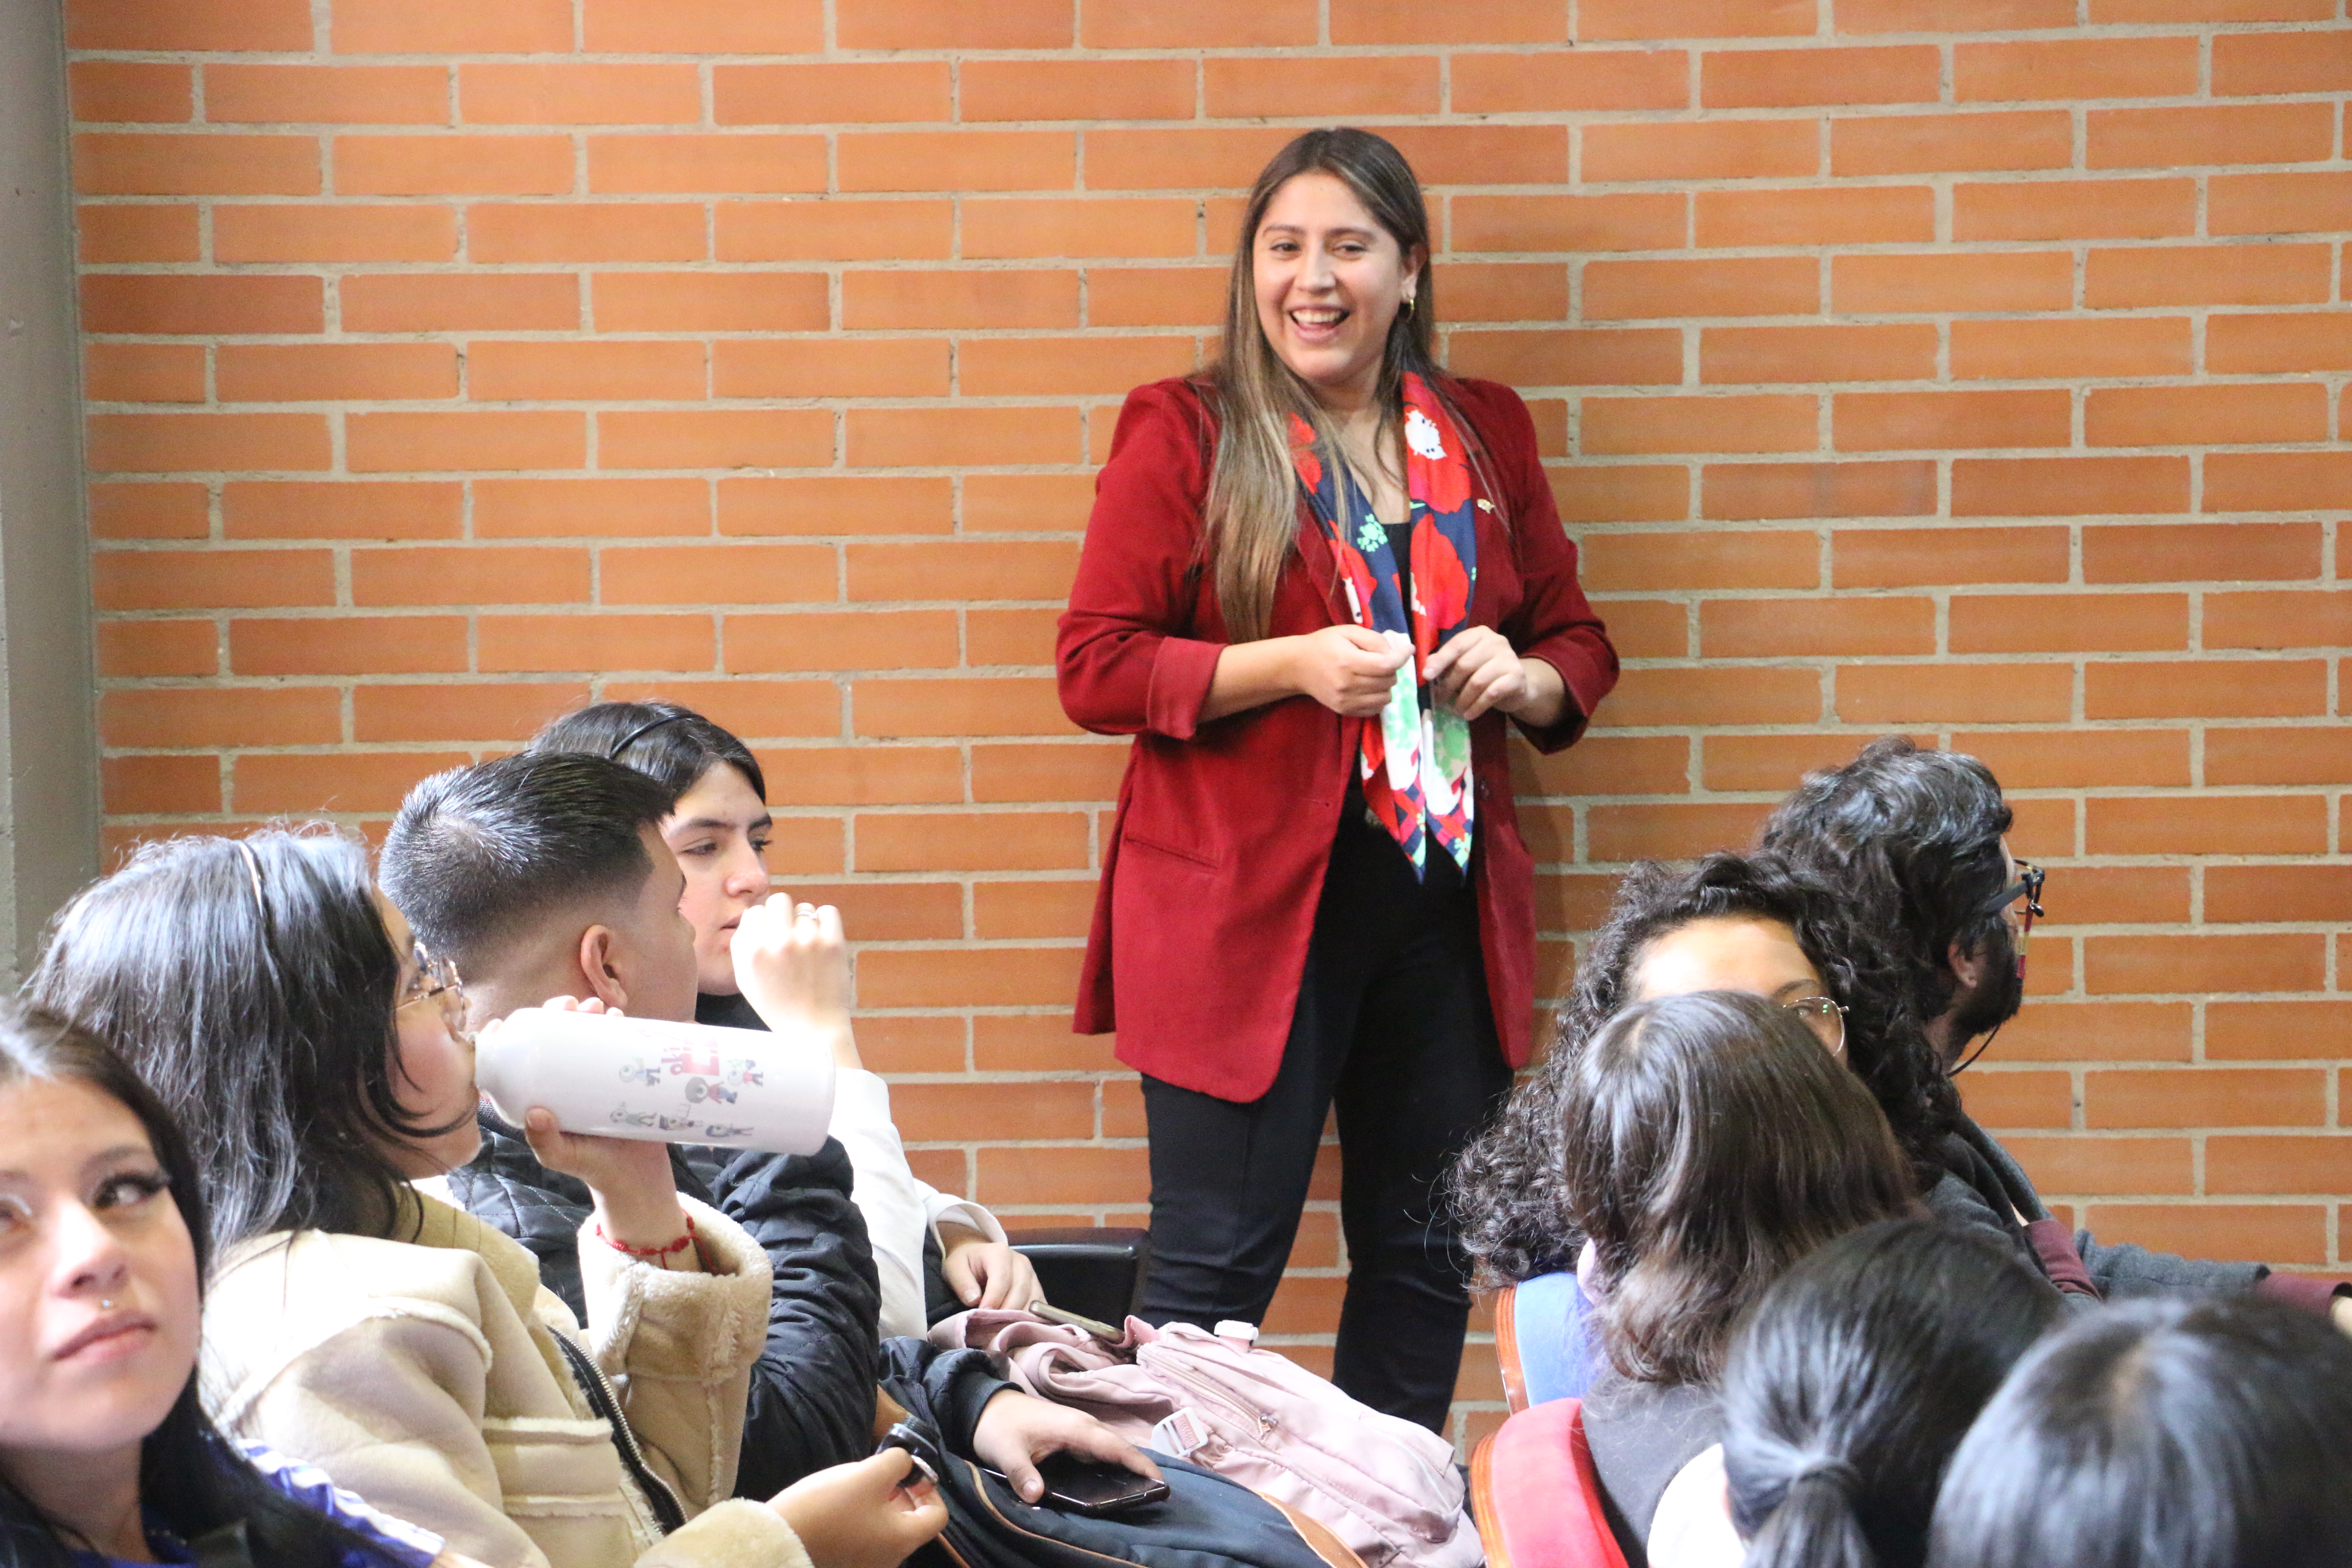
[[1450, 743]]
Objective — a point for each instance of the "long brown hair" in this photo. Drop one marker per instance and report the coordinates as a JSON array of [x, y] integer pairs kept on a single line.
[[1709, 1143], [1252, 509]]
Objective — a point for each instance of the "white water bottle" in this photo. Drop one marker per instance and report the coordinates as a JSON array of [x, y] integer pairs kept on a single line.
[[616, 1076]]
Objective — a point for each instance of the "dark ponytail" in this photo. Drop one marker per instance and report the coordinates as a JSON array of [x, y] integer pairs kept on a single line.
[[1815, 1525], [1854, 1379]]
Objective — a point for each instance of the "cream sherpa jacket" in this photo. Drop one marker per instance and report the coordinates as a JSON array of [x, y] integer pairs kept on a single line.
[[424, 1376]]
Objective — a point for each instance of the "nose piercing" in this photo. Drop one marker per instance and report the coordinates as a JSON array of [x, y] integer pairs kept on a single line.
[[108, 1305]]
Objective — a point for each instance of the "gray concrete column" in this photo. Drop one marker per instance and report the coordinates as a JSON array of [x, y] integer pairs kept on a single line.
[[48, 733]]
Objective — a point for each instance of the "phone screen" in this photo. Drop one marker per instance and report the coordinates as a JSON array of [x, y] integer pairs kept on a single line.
[[1096, 1488]]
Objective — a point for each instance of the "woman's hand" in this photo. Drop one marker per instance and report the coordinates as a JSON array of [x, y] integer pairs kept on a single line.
[[791, 963], [1017, 1430], [984, 1273], [1478, 669], [1351, 670], [869, 1514]]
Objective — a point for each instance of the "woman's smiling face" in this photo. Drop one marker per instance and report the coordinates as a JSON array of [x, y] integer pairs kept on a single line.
[[99, 1306], [1329, 281]]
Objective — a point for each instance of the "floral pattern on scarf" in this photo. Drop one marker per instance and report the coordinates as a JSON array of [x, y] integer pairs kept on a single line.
[[1415, 763]]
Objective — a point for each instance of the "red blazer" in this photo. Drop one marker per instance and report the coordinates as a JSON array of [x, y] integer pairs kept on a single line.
[[1215, 859]]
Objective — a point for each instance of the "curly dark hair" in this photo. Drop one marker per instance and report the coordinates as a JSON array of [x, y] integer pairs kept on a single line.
[[1911, 841], [1506, 1187]]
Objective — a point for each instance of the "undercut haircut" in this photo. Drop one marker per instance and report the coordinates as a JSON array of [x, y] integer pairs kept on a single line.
[[668, 741], [479, 857]]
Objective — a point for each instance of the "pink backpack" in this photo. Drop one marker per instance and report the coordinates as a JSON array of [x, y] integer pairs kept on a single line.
[[1385, 1486]]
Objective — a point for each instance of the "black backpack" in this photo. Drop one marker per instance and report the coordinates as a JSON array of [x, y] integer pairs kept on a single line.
[[1204, 1521]]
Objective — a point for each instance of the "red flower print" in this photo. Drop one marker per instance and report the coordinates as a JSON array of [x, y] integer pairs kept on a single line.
[[1435, 468], [1302, 453], [1439, 583], [1359, 573]]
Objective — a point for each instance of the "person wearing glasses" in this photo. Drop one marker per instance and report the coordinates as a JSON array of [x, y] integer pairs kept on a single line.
[[1731, 923], [1706, 1144], [1916, 845], [285, 1017]]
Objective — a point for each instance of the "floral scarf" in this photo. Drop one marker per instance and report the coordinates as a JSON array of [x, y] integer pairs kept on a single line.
[[1415, 763]]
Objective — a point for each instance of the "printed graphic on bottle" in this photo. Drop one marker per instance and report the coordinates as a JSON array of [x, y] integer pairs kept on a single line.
[[679, 1082]]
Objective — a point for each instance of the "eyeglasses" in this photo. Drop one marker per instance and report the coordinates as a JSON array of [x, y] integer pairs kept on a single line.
[[437, 980], [1825, 1018], [2028, 886]]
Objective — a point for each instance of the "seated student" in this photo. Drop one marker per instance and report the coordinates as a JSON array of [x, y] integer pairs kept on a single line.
[[1731, 923], [294, 1029], [2166, 1433], [1847, 1389], [542, 874], [1743, 923], [543, 877], [1707, 1143], [1916, 844], [106, 1455], [719, 830]]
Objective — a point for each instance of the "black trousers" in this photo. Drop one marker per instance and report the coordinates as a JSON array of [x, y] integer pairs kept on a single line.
[[1393, 1023]]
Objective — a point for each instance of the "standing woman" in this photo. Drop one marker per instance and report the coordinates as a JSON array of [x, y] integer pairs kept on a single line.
[[1318, 577]]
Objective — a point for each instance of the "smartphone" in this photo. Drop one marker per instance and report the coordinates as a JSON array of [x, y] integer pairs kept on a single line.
[[1094, 1326], [1096, 1490]]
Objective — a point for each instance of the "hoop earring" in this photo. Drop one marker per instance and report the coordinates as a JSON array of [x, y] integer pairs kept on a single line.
[[1408, 304]]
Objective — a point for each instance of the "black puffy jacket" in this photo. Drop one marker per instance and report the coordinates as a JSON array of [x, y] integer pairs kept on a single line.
[[812, 1401]]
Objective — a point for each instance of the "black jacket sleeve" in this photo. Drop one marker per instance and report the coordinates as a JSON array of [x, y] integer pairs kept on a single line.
[[811, 1402], [946, 1388]]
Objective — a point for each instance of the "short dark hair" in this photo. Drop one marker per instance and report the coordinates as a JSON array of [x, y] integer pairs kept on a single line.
[[190, 1480], [1506, 1187], [253, 986], [1911, 839], [665, 741], [480, 855], [2165, 1434], [1853, 1380], [1708, 1143]]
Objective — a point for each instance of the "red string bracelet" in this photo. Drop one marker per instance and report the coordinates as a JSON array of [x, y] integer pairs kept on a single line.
[[651, 1254]]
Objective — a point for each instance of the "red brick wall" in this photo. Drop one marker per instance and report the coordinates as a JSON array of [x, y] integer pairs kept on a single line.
[[1965, 367]]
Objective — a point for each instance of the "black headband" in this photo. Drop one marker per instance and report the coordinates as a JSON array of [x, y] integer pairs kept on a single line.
[[641, 731]]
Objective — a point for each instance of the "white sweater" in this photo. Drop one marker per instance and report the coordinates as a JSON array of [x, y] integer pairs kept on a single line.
[[900, 1210]]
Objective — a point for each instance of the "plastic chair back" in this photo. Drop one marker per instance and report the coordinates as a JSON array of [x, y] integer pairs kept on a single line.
[[1535, 1495], [1542, 1341]]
